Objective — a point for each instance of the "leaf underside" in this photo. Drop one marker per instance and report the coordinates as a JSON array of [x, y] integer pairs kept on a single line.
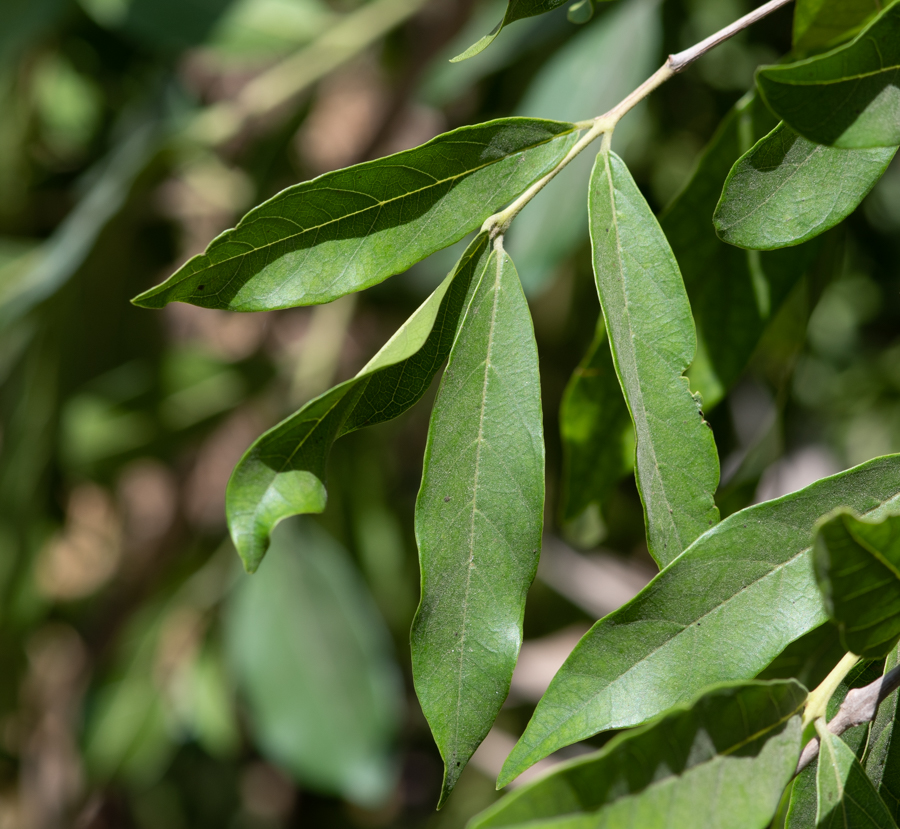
[[721, 612], [479, 517], [819, 24], [515, 10]]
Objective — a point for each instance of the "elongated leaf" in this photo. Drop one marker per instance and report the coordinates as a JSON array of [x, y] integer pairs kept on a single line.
[[883, 754], [846, 797], [653, 343], [596, 432], [720, 612], [822, 23], [722, 762], [478, 518], [313, 660], [847, 98], [786, 190], [734, 293], [858, 570], [353, 228], [283, 472]]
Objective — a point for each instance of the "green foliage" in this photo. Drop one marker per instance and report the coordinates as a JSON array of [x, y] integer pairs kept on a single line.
[[354, 228], [653, 342], [689, 627], [858, 570], [882, 760], [736, 745], [856, 87], [787, 190], [479, 517], [819, 24]]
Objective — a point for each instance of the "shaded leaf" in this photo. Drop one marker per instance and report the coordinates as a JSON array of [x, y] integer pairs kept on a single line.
[[312, 658], [858, 571], [479, 516], [283, 472], [883, 754], [596, 432], [722, 762], [720, 612], [353, 228], [653, 342], [581, 11], [24, 21], [821, 23], [734, 294], [846, 797], [786, 190], [848, 98]]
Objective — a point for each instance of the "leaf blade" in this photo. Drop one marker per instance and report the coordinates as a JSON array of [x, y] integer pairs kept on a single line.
[[295, 249], [820, 23], [653, 342], [515, 10], [752, 570], [283, 472], [882, 760], [479, 516]]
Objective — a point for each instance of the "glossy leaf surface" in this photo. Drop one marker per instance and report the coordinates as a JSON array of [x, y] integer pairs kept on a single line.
[[283, 472], [653, 342], [720, 612], [858, 570], [846, 797], [596, 432], [883, 754], [720, 763], [787, 190], [353, 228], [313, 660], [734, 294], [848, 98], [479, 517], [822, 23]]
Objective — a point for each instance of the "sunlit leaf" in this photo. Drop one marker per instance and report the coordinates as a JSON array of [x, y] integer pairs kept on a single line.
[[883, 753], [653, 342], [847, 98], [720, 612], [353, 228], [478, 518], [720, 763], [283, 472], [846, 797], [734, 294], [312, 658], [786, 190], [858, 570]]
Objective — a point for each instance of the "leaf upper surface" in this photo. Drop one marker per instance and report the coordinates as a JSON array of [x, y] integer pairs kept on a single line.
[[353, 228], [858, 570], [787, 190], [883, 753], [720, 763], [721, 612], [283, 472], [653, 342], [479, 517], [848, 98]]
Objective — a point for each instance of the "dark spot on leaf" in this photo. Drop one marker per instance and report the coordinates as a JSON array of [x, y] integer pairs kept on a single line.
[[200, 287], [447, 499]]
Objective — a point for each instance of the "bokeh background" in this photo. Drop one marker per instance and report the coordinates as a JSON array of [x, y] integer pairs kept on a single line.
[[145, 681]]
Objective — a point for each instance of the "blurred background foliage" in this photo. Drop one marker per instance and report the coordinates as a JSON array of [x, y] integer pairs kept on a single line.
[[145, 681]]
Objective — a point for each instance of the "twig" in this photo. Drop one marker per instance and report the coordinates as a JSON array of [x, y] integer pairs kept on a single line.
[[860, 706]]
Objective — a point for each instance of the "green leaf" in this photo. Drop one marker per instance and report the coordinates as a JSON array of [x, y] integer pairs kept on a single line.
[[858, 571], [822, 23], [720, 612], [283, 472], [596, 432], [786, 190], [846, 797], [353, 228], [515, 10], [848, 98], [479, 516], [883, 753], [722, 762], [734, 294], [312, 658], [653, 342]]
